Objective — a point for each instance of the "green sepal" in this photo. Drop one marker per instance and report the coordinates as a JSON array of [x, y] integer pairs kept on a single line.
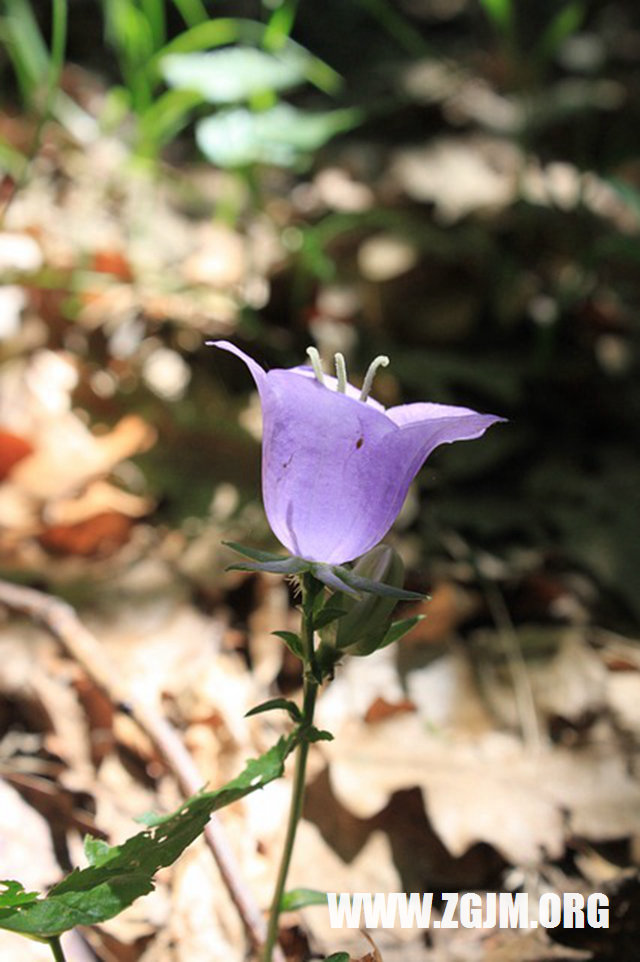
[[254, 553], [284, 703], [300, 898], [328, 575], [378, 588], [330, 613], [284, 566], [338, 957], [398, 630], [292, 641], [363, 627]]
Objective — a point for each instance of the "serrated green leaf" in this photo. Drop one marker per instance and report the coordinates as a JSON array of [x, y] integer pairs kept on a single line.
[[14, 894], [291, 640], [95, 849], [299, 898], [272, 704], [121, 873]]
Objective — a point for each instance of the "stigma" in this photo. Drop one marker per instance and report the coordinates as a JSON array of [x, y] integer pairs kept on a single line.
[[341, 372]]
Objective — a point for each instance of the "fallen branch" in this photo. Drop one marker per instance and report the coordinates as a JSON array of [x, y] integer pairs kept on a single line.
[[61, 619]]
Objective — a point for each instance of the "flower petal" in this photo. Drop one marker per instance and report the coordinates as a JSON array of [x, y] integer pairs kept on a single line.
[[258, 373], [332, 383], [405, 414], [320, 477], [420, 429], [336, 470]]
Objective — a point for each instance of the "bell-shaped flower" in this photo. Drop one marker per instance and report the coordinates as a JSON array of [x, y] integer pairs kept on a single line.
[[336, 468]]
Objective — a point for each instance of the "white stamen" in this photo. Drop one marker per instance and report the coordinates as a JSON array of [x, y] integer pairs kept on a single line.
[[314, 357], [341, 373], [381, 361]]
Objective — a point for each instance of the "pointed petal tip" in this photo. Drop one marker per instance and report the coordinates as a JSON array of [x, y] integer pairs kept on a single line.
[[257, 372]]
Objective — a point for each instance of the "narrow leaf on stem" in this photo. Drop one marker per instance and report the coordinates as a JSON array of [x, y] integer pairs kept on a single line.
[[274, 703]]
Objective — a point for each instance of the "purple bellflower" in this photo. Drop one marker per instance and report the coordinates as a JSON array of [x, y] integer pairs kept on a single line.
[[336, 466]]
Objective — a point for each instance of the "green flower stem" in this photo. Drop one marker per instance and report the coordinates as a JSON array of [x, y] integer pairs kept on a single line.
[[56, 948], [309, 588]]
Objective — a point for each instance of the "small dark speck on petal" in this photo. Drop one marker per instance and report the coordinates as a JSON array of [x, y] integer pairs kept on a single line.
[[359, 443]]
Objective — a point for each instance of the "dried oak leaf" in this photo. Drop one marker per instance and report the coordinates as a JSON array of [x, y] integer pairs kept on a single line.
[[112, 262], [98, 536], [489, 789], [70, 456], [13, 449]]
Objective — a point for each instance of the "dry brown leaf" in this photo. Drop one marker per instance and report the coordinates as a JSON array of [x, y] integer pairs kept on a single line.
[[623, 696], [67, 456], [444, 692], [488, 789], [448, 607], [56, 465], [33, 675], [570, 682], [112, 262], [19, 252], [99, 536], [315, 865], [272, 613], [220, 260], [204, 923], [460, 175], [27, 857], [12, 450], [98, 498], [382, 710]]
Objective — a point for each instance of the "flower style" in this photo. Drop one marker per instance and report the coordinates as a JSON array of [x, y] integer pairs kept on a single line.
[[336, 466]]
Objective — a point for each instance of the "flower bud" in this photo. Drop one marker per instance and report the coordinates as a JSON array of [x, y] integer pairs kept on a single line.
[[368, 619]]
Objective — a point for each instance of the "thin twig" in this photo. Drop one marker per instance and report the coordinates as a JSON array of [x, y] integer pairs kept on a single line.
[[517, 666], [61, 619]]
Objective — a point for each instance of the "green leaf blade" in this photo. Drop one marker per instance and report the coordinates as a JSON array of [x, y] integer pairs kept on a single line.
[[292, 641], [274, 703], [300, 898], [399, 629]]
